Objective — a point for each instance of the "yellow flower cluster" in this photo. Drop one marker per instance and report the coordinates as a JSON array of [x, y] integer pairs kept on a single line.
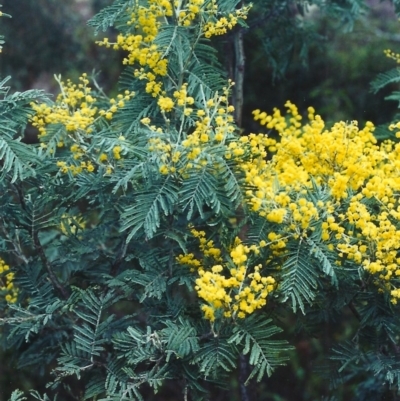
[[7, 288], [361, 216], [229, 286], [305, 154], [213, 22], [221, 25], [74, 108], [149, 58], [165, 103], [391, 54], [207, 247], [75, 168], [142, 52], [277, 245], [188, 11], [342, 157]]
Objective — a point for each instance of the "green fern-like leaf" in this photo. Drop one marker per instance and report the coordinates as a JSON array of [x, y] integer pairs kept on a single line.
[[148, 208], [93, 331], [17, 158], [109, 15], [346, 354], [215, 355], [181, 339], [73, 361], [321, 254], [264, 354], [199, 190], [384, 79], [299, 277]]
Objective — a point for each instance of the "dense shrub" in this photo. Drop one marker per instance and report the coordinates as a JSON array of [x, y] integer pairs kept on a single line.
[[149, 245]]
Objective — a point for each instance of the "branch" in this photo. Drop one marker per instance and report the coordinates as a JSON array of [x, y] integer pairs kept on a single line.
[[239, 76], [242, 378]]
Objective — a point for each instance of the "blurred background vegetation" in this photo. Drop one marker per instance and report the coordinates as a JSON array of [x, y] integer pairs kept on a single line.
[[324, 64], [47, 37]]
